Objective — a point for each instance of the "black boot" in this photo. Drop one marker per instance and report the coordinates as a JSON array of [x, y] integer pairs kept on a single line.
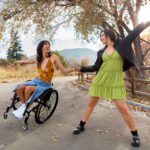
[[79, 128], [135, 140]]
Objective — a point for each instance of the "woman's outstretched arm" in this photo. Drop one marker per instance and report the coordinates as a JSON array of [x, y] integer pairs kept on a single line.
[[61, 67], [26, 61], [91, 68], [136, 31]]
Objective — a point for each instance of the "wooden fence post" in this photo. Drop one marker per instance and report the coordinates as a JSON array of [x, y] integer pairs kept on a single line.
[[82, 76], [133, 82], [87, 76], [78, 75]]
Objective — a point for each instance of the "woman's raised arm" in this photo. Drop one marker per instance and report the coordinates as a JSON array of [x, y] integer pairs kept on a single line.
[[60, 66], [136, 31]]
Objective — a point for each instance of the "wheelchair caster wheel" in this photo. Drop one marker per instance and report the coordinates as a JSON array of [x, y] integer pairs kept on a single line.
[[25, 127], [5, 115]]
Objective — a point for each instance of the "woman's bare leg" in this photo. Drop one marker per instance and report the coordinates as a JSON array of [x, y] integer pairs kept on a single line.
[[124, 110], [21, 93], [28, 91], [88, 111], [90, 107]]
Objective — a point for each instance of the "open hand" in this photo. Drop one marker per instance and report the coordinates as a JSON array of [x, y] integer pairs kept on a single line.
[[14, 63], [77, 68]]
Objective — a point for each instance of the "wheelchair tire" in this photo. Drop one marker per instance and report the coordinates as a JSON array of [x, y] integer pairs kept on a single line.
[[5, 115], [47, 106]]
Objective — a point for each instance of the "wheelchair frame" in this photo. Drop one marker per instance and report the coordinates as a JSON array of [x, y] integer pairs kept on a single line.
[[43, 101]]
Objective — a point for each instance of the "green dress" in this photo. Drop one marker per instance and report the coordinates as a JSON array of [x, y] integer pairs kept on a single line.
[[109, 82]]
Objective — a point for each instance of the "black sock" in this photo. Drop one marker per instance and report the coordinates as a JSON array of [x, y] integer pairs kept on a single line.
[[134, 133], [82, 123]]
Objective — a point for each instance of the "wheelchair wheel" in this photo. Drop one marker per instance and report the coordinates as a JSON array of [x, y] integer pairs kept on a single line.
[[47, 106], [16, 102]]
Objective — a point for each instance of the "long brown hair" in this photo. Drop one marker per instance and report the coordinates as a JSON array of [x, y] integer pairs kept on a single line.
[[39, 51]]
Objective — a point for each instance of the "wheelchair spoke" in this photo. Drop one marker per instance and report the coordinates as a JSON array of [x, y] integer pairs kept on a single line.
[[44, 113], [51, 103], [46, 107], [46, 110], [53, 96]]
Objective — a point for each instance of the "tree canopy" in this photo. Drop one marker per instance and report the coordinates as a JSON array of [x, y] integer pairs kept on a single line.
[[48, 15], [44, 17]]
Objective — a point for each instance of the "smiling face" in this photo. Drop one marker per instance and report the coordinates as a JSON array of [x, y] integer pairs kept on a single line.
[[103, 38], [107, 36], [46, 47]]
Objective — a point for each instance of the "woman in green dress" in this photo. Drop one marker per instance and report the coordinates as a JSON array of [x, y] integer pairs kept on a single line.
[[116, 57]]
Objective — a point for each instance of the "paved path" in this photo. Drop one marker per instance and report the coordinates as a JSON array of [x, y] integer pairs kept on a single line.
[[105, 130]]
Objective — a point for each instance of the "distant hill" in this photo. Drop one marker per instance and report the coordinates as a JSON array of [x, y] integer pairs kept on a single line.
[[79, 53]]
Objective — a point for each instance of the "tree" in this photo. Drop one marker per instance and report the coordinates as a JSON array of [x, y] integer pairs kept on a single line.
[[116, 15], [15, 51], [84, 61], [88, 16], [61, 58], [146, 46], [73, 62], [4, 62]]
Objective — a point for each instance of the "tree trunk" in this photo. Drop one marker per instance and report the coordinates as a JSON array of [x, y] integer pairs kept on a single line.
[[138, 50], [141, 74]]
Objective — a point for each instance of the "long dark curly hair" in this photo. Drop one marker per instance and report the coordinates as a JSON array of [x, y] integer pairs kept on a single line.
[[39, 51]]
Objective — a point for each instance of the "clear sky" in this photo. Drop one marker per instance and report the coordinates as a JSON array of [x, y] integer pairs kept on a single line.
[[65, 38]]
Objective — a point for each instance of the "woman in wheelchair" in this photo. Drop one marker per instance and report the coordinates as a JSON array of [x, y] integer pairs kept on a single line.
[[30, 90]]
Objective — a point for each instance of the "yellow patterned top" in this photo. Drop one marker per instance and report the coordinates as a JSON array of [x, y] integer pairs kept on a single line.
[[47, 73]]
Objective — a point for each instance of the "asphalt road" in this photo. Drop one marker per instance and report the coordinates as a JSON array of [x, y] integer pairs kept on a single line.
[[105, 129]]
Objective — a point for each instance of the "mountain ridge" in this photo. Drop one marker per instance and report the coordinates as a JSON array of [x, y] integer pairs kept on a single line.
[[79, 53]]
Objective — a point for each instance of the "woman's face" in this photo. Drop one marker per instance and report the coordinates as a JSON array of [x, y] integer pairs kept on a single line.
[[103, 38], [46, 48]]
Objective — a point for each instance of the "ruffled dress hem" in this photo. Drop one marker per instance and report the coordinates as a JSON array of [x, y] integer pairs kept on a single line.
[[107, 93]]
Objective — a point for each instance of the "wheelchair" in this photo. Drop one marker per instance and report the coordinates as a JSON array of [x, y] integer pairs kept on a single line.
[[43, 107]]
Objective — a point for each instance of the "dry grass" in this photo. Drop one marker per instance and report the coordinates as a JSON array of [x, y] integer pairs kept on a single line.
[[25, 71], [22, 72]]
